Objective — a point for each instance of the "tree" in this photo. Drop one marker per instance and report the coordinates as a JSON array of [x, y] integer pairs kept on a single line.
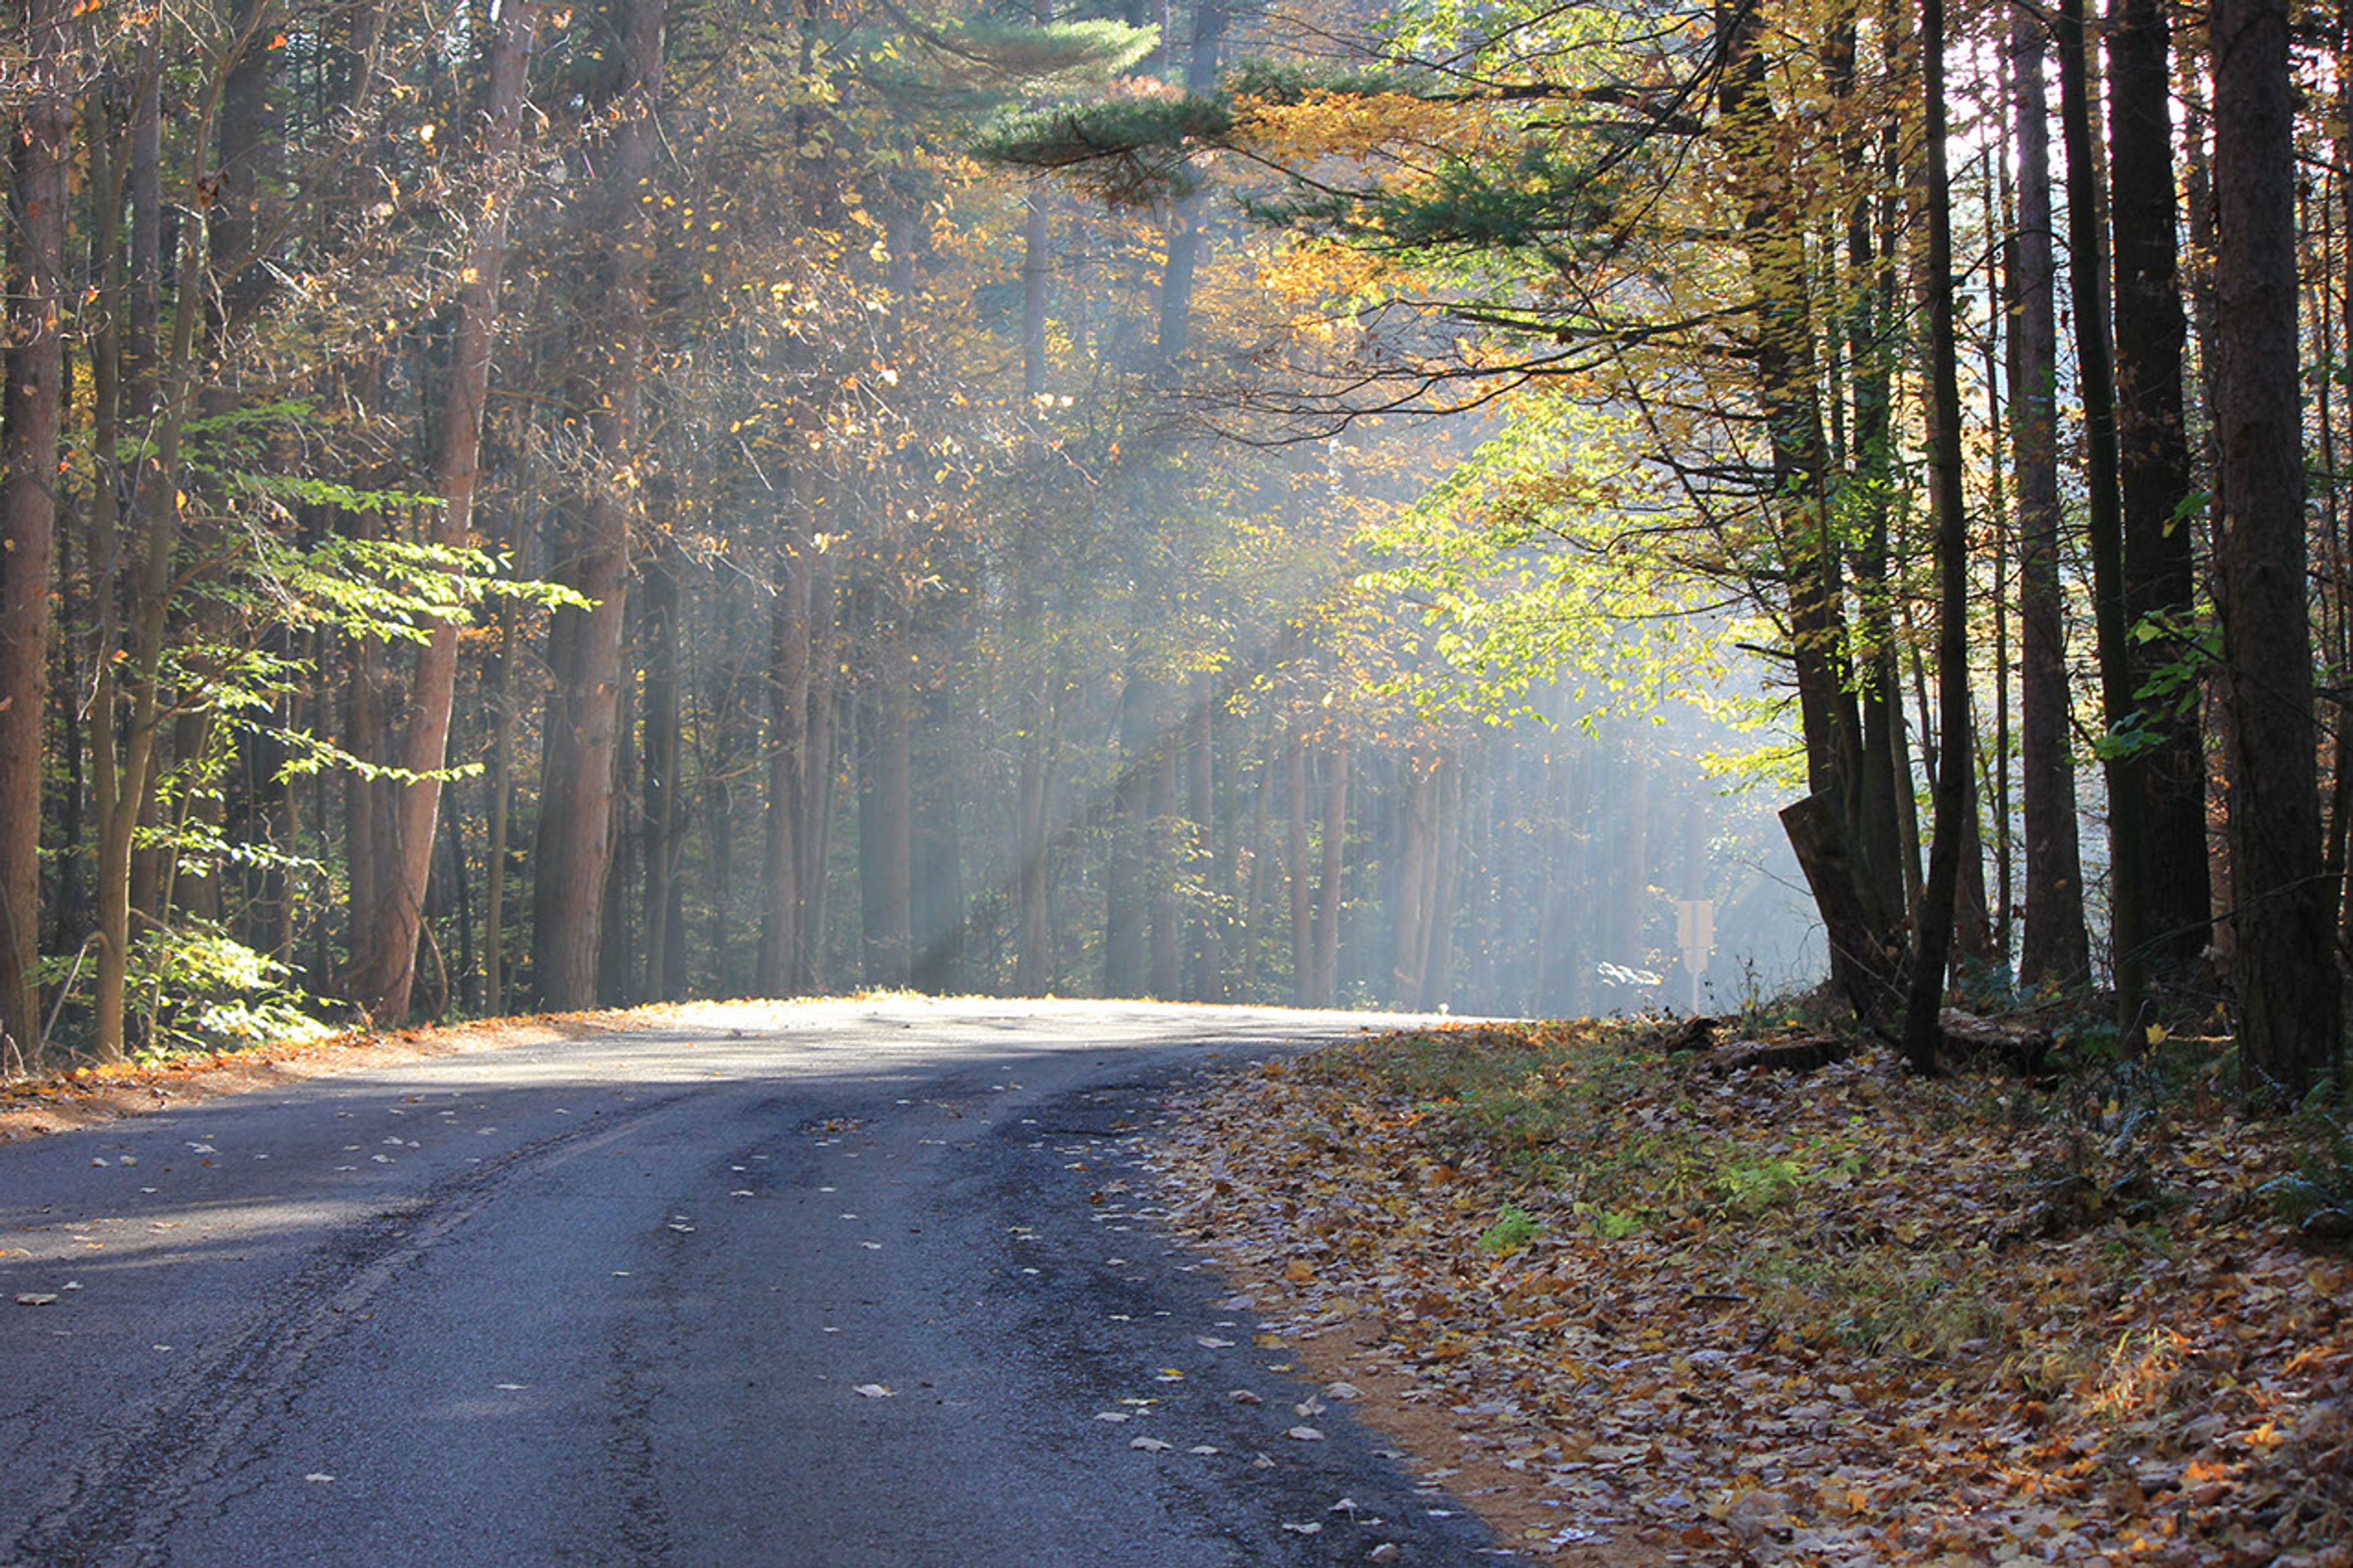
[[572, 849], [2056, 948], [1923, 1005], [2290, 1027], [34, 409], [2158, 569], [386, 934], [2087, 274]]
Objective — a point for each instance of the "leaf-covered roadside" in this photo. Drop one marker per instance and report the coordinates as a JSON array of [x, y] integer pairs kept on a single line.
[[1841, 1316], [36, 1105]]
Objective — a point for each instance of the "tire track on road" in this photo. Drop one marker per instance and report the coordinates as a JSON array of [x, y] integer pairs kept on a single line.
[[214, 1418]]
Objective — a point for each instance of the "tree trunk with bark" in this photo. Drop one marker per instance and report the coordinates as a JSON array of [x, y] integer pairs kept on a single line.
[[2054, 948], [1126, 912], [1205, 972], [1789, 395], [1033, 963], [2159, 584], [885, 814], [387, 913], [663, 956], [1294, 861], [1330, 886], [2289, 991], [1924, 1003], [2104, 525], [572, 849], [1164, 859], [34, 401], [788, 685], [939, 909]]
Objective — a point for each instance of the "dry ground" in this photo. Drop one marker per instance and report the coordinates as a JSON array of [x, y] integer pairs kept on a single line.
[[1640, 1312]]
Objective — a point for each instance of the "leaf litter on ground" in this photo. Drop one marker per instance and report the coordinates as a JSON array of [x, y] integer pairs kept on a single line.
[[1638, 1311]]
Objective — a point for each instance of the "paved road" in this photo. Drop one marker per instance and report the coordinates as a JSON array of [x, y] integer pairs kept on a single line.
[[616, 1299]]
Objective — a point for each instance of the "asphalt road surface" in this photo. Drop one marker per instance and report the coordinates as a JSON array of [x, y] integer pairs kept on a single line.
[[833, 1283]]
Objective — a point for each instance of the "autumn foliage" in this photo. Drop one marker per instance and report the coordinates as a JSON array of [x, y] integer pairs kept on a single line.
[[1673, 1313]]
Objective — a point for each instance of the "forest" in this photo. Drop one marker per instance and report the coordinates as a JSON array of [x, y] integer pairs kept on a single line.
[[531, 505]]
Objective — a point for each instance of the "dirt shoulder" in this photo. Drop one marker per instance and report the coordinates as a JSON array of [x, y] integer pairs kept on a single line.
[[1637, 1309], [35, 1107]]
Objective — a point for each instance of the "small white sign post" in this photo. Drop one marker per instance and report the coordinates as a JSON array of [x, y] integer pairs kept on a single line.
[[1695, 934]]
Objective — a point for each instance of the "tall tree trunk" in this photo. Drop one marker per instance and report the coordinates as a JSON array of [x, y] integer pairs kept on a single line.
[[663, 952], [1295, 860], [2160, 583], [2055, 947], [814, 831], [781, 902], [132, 588], [1331, 887], [617, 969], [1811, 560], [498, 785], [1437, 958], [572, 851], [885, 827], [1884, 764], [35, 402], [2087, 276], [1789, 391], [1925, 1004], [1164, 857], [1033, 964], [242, 190], [1258, 849], [1410, 914], [937, 905], [1205, 976], [106, 115], [2289, 999], [790, 768], [386, 925], [1126, 915], [1033, 961]]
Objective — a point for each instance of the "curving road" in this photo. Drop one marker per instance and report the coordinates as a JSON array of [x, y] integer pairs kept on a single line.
[[837, 1283]]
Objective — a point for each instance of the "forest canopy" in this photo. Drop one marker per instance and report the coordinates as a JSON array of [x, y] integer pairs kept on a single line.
[[525, 504]]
